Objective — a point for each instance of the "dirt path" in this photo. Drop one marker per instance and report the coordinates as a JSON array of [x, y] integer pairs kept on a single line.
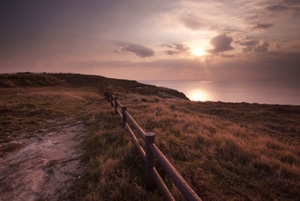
[[45, 167]]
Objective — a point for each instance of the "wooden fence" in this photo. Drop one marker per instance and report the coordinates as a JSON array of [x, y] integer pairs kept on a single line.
[[149, 153]]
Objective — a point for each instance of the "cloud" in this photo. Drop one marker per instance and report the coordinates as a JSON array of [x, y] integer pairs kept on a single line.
[[271, 65], [276, 8], [192, 23], [221, 43], [181, 47], [295, 2], [254, 45], [167, 45], [281, 64], [262, 47], [176, 48], [249, 45], [137, 49], [263, 26], [171, 52]]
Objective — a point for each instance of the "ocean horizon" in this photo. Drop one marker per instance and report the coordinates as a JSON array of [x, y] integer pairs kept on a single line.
[[282, 92]]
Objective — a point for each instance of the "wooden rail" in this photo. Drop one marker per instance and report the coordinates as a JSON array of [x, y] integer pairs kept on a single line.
[[149, 153]]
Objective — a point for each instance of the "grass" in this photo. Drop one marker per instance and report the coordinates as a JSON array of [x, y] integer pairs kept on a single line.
[[248, 152], [29, 80], [30, 112], [225, 151], [115, 170]]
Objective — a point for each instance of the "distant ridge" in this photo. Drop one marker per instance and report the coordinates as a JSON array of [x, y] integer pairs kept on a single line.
[[28, 79]]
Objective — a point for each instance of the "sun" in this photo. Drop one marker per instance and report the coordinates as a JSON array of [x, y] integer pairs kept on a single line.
[[198, 52], [198, 95]]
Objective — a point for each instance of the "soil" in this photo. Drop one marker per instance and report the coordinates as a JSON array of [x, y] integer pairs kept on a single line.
[[45, 167]]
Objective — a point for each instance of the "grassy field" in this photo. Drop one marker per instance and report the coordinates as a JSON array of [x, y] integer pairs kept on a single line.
[[27, 112], [225, 151]]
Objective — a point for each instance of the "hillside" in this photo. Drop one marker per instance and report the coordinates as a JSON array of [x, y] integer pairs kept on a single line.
[[225, 151], [77, 80]]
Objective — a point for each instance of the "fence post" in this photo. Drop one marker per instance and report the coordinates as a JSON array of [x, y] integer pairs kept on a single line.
[[116, 106], [124, 117], [150, 162], [111, 99]]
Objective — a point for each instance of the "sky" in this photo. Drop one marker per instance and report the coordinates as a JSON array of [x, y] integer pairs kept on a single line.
[[153, 40]]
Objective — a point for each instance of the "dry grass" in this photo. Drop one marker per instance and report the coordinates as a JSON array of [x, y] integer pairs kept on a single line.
[[115, 170], [239, 154], [225, 151], [27, 113]]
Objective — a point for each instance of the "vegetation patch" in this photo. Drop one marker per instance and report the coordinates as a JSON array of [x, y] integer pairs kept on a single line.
[[225, 151]]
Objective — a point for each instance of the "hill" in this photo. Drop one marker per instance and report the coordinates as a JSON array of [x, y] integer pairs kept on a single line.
[[226, 151], [78, 80]]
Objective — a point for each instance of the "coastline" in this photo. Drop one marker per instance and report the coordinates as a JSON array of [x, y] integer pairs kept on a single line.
[[261, 92]]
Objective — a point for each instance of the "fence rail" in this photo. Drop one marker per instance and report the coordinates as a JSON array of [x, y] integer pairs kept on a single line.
[[149, 153]]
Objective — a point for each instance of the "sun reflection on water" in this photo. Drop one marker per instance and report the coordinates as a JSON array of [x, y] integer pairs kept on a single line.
[[198, 95]]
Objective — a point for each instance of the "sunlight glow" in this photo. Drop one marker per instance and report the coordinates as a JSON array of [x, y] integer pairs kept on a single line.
[[197, 52], [198, 95]]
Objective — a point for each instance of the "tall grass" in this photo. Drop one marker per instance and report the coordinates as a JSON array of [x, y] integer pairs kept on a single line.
[[115, 170], [245, 157]]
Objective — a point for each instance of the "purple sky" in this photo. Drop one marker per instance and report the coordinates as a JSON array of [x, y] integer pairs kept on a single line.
[[157, 39]]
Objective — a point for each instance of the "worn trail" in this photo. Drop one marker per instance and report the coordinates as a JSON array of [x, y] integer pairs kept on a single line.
[[45, 167]]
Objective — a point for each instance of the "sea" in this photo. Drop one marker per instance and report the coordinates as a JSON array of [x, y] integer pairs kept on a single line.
[[282, 92]]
